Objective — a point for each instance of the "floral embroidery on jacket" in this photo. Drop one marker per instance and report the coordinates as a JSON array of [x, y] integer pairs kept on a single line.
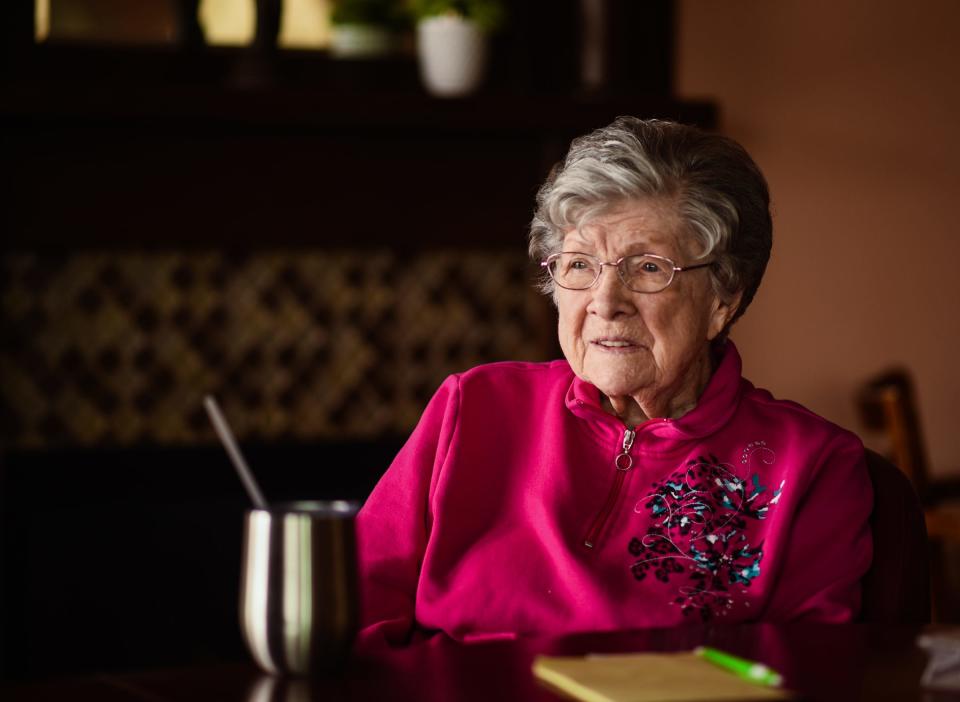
[[699, 516]]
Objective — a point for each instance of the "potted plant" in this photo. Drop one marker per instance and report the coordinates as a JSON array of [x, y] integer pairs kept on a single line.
[[363, 28], [452, 42]]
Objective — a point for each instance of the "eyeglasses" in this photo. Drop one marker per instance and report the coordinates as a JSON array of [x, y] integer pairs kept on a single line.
[[643, 273]]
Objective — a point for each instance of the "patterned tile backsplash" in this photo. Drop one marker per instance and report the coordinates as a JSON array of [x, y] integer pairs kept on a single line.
[[118, 348]]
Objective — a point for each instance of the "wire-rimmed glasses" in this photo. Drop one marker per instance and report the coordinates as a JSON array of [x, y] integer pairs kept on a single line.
[[643, 273]]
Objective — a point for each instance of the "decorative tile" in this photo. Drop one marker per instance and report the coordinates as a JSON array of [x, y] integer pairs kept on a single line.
[[119, 348]]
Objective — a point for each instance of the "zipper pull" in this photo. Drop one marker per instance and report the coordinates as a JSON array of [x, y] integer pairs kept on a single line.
[[624, 461]]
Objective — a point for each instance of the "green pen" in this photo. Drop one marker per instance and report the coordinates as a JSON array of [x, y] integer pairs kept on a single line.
[[748, 670]]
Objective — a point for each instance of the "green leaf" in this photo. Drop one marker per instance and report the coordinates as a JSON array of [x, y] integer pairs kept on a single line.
[[489, 14]]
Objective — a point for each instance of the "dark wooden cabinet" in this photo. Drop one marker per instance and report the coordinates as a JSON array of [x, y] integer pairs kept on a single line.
[[185, 145], [162, 164]]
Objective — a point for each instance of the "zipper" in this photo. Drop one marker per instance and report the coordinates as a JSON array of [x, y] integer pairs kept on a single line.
[[623, 462]]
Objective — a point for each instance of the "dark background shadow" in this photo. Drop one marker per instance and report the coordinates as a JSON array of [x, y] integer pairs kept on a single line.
[[120, 545]]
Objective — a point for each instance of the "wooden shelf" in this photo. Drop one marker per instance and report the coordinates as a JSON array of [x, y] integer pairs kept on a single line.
[[120, 149], [309, 107]]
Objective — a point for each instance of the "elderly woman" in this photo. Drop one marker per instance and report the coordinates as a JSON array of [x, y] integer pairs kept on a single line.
[[642, 481]]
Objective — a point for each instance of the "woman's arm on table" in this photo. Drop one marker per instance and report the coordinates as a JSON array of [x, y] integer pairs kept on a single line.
[[394, 525]]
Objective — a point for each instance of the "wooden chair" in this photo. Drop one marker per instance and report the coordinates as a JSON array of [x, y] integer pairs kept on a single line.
[[887, 403], [896, 589]]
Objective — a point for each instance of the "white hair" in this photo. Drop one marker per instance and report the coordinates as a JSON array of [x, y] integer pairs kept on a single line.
[[717, 190]]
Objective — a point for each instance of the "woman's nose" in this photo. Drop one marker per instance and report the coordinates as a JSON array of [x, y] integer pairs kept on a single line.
[[610, 297]]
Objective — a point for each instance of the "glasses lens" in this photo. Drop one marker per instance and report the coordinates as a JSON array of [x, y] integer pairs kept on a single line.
[[574, 270], [646, 273]]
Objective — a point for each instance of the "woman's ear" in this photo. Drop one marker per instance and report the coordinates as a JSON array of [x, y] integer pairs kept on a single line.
[[722, 313]]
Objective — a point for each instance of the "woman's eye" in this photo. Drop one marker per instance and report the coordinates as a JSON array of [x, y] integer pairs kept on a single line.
[[650, 267], [580, 265]]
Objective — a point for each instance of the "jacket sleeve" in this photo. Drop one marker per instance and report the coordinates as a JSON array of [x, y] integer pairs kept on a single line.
[[393, 527], [829, 547]]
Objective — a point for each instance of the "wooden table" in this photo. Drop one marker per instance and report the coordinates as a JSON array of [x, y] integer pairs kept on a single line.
[[822, 662]]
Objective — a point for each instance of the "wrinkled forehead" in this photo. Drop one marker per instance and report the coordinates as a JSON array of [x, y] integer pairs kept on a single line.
[[652, 226]]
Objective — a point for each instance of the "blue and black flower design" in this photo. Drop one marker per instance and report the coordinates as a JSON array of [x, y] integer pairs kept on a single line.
[[699, 518]]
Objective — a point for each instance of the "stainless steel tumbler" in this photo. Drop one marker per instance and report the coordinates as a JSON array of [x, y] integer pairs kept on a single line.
[[298, 592]]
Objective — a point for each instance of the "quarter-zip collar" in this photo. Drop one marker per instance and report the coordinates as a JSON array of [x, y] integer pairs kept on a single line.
[[715, 407], [623, 463]]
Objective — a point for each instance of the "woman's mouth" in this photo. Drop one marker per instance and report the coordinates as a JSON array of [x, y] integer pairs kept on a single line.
[[615, 344]]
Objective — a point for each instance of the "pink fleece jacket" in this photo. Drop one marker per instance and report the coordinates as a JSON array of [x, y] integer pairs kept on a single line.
[[518, 505]]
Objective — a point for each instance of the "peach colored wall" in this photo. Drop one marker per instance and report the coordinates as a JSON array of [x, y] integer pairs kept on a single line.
[[852, 109]]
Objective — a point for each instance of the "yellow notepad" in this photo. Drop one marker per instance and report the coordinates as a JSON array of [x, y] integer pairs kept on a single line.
[[647, 677]]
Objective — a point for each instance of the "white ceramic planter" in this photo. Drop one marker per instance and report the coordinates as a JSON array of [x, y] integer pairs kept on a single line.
[[452, 53]]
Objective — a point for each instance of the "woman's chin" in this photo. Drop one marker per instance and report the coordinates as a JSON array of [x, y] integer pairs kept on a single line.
[[617, 382], [617, 389]]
